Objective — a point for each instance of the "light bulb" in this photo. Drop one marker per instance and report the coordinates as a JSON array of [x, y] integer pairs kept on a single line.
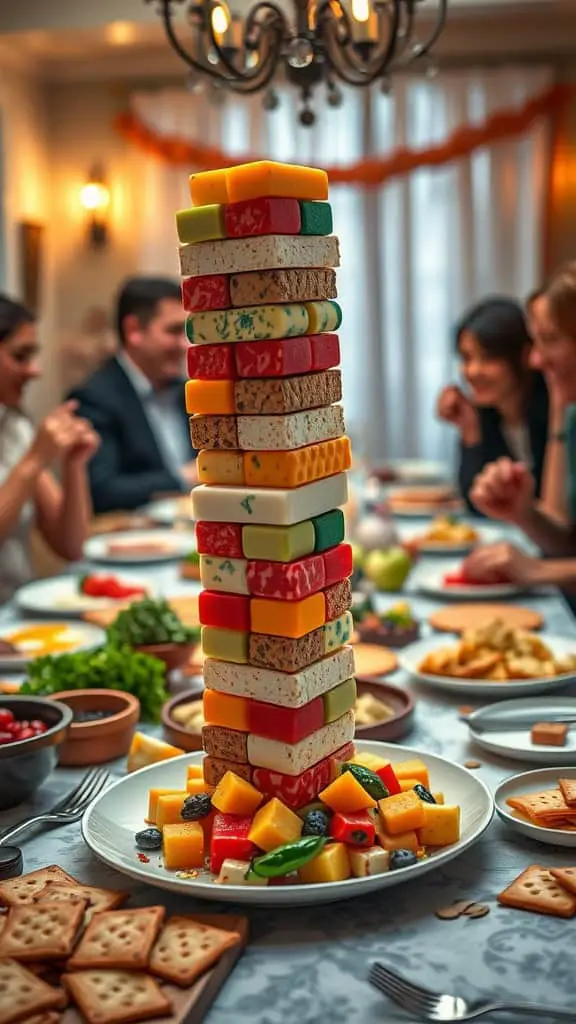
[[361, 10], [94, 196], [220, 20]]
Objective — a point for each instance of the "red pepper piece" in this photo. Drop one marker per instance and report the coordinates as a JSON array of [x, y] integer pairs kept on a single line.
[[388, 777], [223, 539], [224, 611], [353, 829], [230, 839], [338, 563], [91, 586]]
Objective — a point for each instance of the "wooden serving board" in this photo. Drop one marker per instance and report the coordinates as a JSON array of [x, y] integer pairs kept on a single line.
[[459, 617], [192, 1004]]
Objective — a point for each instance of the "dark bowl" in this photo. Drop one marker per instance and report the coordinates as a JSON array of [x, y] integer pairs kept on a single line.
[[402, 703], [25, 764]]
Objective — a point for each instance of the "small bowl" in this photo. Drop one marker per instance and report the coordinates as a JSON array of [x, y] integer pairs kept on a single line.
[[104, 739], [25, 764], [174, 732], [401, 701], [173, 655]]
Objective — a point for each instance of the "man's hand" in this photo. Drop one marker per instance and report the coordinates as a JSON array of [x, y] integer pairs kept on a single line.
[[504, 490], [495, 562]]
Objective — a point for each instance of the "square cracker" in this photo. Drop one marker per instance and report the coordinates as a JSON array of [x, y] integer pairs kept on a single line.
[[536, 890], [566, 877], [44, 931], [121, 939], [186, 948], [26, 887], [23, 995], [541, 806], [97, 899], [568, 790], [116, 997]]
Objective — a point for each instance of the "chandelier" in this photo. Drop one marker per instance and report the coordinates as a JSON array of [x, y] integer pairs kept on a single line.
[[245, 47]]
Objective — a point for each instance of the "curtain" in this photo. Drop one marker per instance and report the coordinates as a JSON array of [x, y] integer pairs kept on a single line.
[[415, 253]]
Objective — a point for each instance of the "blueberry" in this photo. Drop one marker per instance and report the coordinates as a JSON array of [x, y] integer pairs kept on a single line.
[[149, 839], [196, 807], [316, 823], [402, 859]]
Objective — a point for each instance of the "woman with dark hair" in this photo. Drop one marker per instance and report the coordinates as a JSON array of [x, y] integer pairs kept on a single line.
[[505, 409], [29, 493]]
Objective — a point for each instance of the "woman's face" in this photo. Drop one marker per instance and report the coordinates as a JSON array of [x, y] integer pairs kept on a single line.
[[18, 364], [553, 353], [491, 381]]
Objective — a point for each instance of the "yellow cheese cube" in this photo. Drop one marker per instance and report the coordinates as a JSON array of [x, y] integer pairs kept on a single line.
[[145, 750], [287, 618], [195, 786], [406, 784], [401, 812], [373, 861], [269, 178], [371, 761], [207, 187], [346, 796], [154, 795], [183, 846], [194, 771], [331, 865], [439, 797], [441, 825], [169, 807], [216, 467], [273, 825], [210, 397], [234, 795], [414, 769], [402, 841]]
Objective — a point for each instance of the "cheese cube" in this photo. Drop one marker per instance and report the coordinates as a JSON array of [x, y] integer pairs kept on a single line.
[[234, 872], [226, 711], [225, 644], [210, 397], [183, 846], [414, 769], [200, 224], [402, 812], [373, 861], [273, 825], [270, 178], [168, 808], [208, 187], [233, 795], [287, 618], [224, 574], [441, 825], [331, 865]]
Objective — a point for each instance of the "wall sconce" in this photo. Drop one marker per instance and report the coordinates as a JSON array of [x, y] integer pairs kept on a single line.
[[95, 198]]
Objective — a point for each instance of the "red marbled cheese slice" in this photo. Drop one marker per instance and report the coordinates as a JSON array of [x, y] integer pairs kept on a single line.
[[273, 358], [211, 362], [337, 563], [325, 351], [262, 216], [286, 725], [287, 581], [298, 790], [224, 611], [205, 293], [219, 539]]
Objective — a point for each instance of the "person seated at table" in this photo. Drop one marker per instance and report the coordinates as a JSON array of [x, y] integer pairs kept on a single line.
[[136, 402], [505, 490], [29, 493], [504, 411]]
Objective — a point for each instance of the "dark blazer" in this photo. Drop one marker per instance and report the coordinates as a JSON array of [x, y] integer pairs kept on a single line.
[[493, 444], [128, 469]]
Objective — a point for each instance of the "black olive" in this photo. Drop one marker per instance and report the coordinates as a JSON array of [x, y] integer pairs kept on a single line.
[[424, 794], [149, 839], [402, 859], [196, 807]]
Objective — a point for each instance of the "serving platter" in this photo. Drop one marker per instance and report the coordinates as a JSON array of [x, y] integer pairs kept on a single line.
[[61, 595], [111, 821], [431, 583]]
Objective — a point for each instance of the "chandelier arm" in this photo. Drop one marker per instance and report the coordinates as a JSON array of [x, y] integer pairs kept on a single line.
[[405, 34], [166, 15], [437, 31], [344, 61], [250, 81]]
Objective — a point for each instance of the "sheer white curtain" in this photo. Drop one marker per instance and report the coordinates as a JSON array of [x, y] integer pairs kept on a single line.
[[415, 253]]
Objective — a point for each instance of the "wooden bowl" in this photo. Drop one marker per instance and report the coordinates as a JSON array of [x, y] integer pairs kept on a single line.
[[173, 655], [174, 732], [400, 700], [104, 739]]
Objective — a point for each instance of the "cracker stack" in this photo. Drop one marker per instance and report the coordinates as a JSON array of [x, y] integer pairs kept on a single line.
[[259, 285]]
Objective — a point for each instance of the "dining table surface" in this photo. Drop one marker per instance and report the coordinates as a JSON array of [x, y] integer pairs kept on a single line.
[[306, 965]]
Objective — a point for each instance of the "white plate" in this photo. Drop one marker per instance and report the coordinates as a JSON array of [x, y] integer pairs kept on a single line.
[[432, 584], [85, 637], [60, 595], [166, 511], [533, 782], [419, 471], [443, 548], [516, 743], [411, 657], [175, 545], [109, 825]]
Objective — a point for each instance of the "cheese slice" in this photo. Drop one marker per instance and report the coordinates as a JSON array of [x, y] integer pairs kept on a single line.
[[269, 506]]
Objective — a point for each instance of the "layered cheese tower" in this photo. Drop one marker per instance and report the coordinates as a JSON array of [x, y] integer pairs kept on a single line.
[[259, 286]]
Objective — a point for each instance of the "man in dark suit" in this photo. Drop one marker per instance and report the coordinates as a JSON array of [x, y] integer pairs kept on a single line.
[[136, 402]]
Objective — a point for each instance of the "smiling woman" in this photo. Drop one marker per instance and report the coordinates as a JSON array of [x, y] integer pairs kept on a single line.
[[28, 491]]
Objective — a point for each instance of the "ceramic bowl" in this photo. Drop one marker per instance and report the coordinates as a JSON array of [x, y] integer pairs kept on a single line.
[[173, 655], [175, 733], [103, 739], [25, 764], [401, 701]]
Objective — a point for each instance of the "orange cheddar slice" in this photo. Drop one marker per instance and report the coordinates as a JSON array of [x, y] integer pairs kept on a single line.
[[208, 187], [217, 467], [226, 711], [210, 397], [267, 178], [294, 468], [287, 618]]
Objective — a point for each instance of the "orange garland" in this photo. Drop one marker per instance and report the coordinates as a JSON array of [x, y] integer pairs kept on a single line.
[[374, 171]]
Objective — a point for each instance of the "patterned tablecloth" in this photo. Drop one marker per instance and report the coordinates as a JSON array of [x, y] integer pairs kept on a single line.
[[309, 965]]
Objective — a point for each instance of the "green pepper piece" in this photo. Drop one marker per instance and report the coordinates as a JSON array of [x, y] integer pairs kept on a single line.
[[288, 857], [368, 779]]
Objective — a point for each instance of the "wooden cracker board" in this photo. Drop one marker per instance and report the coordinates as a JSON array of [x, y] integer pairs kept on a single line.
[[459, 617], [185, 607], [192, 1004]]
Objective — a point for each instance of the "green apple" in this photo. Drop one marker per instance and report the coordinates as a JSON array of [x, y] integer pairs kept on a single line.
[[389, 569], [357, 557]]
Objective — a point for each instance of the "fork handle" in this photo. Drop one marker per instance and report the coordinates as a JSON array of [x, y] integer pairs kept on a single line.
[[23, 826], [528, 1009]]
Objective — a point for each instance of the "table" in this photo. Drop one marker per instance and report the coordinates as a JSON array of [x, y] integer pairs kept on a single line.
[[309, 965]]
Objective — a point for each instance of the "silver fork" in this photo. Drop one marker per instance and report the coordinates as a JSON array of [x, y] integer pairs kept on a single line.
[[433, 1006], [69, 809]]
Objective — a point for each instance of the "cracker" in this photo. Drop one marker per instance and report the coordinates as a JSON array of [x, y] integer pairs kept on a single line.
[[45, 931], [542, 806], [566, 877], [48, 1017], [537, 891], [116, 997], [568, 790], [23, 995], [26, 887], [120, 939], [186, 948], [97, 899]]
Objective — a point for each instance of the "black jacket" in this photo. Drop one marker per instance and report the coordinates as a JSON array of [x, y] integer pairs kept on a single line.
[[128, 470], [493, 444]]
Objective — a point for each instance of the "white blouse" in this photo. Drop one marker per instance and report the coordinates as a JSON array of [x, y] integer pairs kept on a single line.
[[16, 435]]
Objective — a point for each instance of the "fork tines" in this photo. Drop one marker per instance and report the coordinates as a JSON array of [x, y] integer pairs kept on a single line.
[[79, 798], [412, 998]]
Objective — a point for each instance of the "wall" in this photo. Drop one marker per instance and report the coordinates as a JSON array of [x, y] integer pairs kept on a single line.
[[562, 210]]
